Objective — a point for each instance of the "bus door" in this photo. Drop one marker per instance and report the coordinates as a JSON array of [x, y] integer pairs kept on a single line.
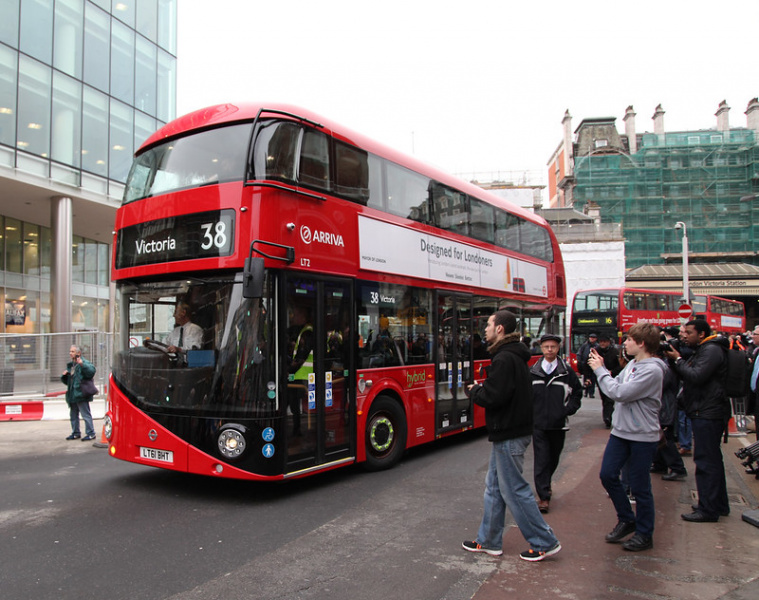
[[318, 328], [453, 410]]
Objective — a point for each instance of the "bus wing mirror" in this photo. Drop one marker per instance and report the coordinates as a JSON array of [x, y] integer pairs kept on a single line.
[[253, 278]]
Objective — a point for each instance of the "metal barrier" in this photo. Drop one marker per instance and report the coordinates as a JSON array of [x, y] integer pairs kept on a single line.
[[32, 364]]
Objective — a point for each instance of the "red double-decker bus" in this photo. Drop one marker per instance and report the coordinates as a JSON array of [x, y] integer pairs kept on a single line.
[[613, 311], [336, 293]]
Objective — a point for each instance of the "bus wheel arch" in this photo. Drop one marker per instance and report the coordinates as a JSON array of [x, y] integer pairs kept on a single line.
[[385, 434]]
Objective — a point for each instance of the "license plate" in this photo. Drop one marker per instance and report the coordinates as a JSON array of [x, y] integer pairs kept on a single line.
[[166, 456]]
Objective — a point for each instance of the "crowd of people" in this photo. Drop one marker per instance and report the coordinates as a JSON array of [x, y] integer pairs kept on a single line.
[[663, 396]]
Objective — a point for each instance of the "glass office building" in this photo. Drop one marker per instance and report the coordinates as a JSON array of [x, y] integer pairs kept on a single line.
[[82, 84]]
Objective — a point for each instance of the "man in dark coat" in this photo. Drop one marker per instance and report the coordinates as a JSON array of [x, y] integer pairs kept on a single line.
[[709, 410], [506, 395], [557, 393], [610, 354], [79, 402]]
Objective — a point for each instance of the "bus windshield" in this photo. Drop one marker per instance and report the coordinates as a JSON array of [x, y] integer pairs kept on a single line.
[[224, 364], [211, 156], [603, 300]]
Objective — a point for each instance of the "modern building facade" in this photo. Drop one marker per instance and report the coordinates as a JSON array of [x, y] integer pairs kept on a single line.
[[82, 84]]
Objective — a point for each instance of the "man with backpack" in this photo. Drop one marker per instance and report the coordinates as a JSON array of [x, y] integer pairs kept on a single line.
[[708, 408]]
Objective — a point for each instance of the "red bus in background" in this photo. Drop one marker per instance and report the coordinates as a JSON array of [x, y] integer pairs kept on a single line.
[[613, 311], [722, 314], [342, 291]]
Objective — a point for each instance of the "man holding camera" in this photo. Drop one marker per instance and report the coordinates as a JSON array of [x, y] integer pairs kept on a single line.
[[708, 409]]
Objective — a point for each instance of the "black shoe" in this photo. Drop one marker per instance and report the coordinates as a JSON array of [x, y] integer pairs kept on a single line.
[[721, 514], [620, 532], [88, 438], [638, 542], [698, 517], [74, 436], [674, 476]]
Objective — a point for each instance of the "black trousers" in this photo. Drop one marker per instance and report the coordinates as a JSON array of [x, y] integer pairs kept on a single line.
[[667, 456], [710, 468], [547, 445]]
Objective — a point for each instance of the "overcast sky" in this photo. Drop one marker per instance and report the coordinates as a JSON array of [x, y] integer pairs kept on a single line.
[[478, 86]]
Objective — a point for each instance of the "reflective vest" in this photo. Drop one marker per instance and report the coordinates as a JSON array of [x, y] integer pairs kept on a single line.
[[308, 365]]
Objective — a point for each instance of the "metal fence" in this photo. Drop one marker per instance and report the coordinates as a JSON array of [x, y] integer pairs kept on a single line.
[[32, 364]]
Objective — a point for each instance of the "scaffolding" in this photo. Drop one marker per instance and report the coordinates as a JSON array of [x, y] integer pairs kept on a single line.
[[708, 179]]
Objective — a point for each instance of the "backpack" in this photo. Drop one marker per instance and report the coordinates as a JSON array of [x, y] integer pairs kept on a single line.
[[737, 377]]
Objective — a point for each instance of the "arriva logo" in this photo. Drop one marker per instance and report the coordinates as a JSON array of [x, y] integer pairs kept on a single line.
[[413, 378], [322, 237]]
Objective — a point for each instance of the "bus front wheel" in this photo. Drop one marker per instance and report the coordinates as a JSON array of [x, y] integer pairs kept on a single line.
[[385, 434]]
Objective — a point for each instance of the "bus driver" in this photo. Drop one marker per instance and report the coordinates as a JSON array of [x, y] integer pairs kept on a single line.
[[186, 335]]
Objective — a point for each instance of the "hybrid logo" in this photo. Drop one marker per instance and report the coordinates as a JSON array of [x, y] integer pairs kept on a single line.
[[322, 237]]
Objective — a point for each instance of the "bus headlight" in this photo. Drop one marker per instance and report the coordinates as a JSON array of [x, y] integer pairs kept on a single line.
[[108, 427], [231, 443]]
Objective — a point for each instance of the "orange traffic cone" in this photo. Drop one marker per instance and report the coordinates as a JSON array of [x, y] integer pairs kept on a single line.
[[103, 442], [732, 428]]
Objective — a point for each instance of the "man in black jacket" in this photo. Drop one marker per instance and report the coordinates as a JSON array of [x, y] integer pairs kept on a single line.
[[506, 395], [557, 393], [708, 409], [610, 353]]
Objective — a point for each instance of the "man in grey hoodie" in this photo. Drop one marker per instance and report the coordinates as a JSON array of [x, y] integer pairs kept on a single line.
[[635, 432]]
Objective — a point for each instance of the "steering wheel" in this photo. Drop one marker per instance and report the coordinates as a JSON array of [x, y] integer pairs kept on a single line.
[[161, 347]]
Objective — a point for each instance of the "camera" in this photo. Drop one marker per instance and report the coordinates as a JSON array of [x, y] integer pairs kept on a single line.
[[665, 346]]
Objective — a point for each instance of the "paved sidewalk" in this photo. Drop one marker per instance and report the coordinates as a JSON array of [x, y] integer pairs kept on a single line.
[[700, 561]]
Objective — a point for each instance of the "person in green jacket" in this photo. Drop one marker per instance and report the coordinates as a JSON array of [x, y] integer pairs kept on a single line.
[[79, 368]]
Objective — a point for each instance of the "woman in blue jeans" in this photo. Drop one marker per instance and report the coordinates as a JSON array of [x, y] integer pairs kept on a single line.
[[635, 433]]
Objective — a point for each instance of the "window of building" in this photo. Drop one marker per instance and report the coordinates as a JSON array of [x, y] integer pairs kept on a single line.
[[97, 47], [8, 90], [69, 37], [694, 140], [601, 143], [145, 77], [46, 251], [34, 107], [67, 120], [36, 37], [104, 265], [121, 140], [77, 259], [31, 246], [147, 19], [122, 62], [144, 126], [9, 23], [124, 10], [95, 132], [167, 25], [167, 93], [13, 245]]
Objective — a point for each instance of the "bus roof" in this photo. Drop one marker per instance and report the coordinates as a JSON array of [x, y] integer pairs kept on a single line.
[[222, 114]]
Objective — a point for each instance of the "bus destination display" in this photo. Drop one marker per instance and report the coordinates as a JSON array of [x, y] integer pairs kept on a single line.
[[200, 235]]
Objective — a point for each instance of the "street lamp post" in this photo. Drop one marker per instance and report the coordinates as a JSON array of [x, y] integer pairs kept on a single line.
[[686, 291]]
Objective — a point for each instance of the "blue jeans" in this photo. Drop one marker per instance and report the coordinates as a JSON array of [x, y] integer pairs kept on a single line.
[[506, 486], [74, 411], [684, 430], [638, 456]]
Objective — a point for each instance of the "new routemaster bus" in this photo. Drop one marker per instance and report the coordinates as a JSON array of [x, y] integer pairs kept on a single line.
[[613, 311], [338, 292]]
